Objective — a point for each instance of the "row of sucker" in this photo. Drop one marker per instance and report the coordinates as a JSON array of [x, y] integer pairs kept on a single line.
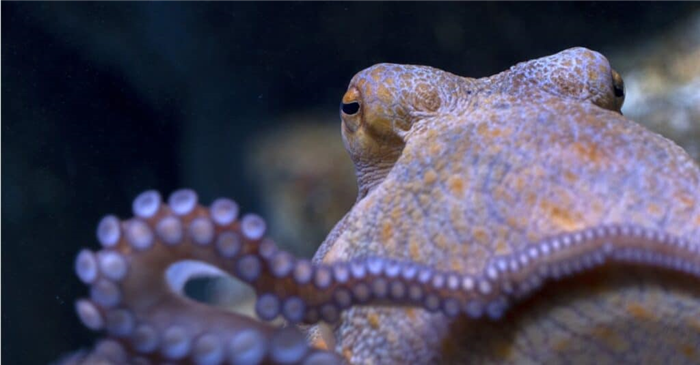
[[325, 290], [139, 302]]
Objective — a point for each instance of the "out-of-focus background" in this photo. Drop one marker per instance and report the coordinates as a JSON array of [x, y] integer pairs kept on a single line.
[[103, 100]]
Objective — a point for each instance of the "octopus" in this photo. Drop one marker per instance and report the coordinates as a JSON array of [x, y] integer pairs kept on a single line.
[[517, 218]]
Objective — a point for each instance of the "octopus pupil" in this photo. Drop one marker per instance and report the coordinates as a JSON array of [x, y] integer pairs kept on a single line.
[[350, 108], [619, 92]]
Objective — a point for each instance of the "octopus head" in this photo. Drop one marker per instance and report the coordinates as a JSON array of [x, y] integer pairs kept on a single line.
[[577, 73], [379, 109]]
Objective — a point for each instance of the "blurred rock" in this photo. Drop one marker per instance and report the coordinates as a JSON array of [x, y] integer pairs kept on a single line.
[[662, 77], [306, 178], [307, 183]]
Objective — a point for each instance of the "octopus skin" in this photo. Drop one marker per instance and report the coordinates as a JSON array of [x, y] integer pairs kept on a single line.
[[518, 218]]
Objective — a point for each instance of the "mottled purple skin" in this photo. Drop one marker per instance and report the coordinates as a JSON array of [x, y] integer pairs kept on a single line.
[[454, 172]]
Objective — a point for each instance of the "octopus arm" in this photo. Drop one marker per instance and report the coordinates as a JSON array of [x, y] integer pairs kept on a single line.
[[136, 281], [136, 288]]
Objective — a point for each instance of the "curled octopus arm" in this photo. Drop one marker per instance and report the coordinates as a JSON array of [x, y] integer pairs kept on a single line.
[[136, 288]]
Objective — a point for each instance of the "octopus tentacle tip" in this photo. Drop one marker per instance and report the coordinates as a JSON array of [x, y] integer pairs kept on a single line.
[[202, 231], [223, 211], [208, 350], [176, 343], [105, 293], [145, 339], [247, 347], [268, 307], [249, 268], [228, 244], [120, 322], [86, 266], [288, 346], [89, 315], [146, 204], [108, 231], [253, 226], [183, 201], [139, 234], [112, 265], [169, 230]]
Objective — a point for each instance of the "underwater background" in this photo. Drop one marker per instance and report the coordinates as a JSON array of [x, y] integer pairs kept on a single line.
[[103, 100]]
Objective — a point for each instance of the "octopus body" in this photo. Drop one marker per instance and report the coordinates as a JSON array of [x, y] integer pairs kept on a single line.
[[518, 218]]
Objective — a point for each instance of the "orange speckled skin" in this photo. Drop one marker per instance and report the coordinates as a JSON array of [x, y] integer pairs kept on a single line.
[[454, 171]]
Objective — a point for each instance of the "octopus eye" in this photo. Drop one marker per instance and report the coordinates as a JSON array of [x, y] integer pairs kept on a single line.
[[619, 90], [618, 85], [350, 108]]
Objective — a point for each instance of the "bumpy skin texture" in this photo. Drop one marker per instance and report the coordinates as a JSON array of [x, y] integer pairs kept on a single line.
[[476, 169], [518, 218]]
